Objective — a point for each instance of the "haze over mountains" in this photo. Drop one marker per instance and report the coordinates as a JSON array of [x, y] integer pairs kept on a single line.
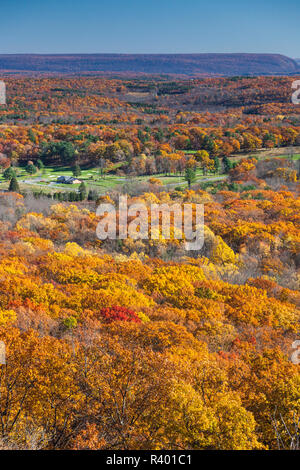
[[185, 64]]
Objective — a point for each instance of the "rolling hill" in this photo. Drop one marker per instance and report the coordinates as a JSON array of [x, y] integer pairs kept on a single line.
[[186, 64]]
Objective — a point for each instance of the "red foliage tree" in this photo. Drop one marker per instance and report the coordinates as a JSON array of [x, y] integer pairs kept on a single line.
[[117, 313]]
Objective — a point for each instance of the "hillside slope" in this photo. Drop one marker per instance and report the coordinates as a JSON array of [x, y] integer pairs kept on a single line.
[[191, 64]]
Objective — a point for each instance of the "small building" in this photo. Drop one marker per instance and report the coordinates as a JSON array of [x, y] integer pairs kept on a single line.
[[67, 180]]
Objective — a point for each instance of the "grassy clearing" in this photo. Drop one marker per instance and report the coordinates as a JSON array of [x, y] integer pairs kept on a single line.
[[270, 153], [294, 157], [45, 180]]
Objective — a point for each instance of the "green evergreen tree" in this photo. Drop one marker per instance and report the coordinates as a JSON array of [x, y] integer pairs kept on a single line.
[[190, 175], [40, 164], [82, 191], [31, 169], [227, 164], [14, 185], [217, 164], [9, 173], [76, 171]]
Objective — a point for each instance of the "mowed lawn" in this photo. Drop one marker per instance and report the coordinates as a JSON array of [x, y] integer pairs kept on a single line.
[[46, 179]]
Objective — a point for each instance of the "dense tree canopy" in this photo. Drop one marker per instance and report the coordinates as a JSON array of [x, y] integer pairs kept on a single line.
[[140, 344]]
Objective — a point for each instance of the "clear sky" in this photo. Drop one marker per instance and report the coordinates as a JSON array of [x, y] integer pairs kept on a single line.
[[150, 26]]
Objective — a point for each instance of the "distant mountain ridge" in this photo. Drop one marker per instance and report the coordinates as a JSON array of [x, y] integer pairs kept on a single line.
[[187, 64]]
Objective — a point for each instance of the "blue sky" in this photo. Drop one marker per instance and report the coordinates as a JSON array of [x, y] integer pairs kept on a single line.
[[157, 26]]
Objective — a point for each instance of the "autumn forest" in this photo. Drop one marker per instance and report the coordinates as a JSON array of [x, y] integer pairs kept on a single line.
[[137, 343]]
